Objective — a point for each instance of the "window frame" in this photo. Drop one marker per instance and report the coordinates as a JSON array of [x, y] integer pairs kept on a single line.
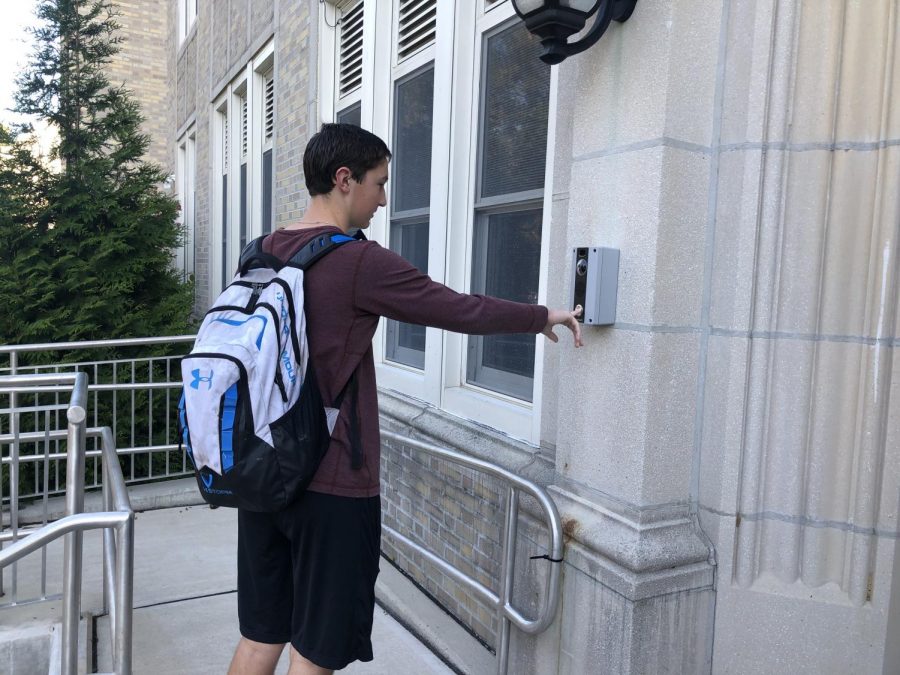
[[457, 56], [406, 218], [187, 18], [186, 186], [249, 86], [330, 101]]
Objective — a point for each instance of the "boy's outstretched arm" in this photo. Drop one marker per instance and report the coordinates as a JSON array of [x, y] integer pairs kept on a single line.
[[568, 319]]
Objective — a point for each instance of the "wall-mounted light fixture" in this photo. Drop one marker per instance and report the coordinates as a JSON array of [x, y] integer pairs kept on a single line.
[[554, 21]]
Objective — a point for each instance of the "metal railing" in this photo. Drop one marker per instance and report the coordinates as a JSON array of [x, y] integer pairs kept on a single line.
[[137, 397], [116, 521], [502, 601], [107, 376]]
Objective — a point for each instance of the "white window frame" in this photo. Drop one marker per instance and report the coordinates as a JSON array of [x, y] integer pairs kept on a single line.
[[330, 100], [187, 17], [457, 55], [248, 85], [185, 181]]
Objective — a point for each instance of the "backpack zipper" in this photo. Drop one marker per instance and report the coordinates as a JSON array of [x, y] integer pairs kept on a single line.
[[254, 295]]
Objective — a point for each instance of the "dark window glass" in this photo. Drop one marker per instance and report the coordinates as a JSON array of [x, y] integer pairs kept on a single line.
[[505, 260], [225, 270], [351, 115], [405, 341], [267, 223], [411, 198], [516, 102], [412, 142], [243, 205]]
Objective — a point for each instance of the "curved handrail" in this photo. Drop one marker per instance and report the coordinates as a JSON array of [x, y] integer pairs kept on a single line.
[[118, 552], [78, 522], [502, 601]]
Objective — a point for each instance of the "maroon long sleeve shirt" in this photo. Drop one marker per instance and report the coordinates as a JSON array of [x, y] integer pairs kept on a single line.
[[345, 294]]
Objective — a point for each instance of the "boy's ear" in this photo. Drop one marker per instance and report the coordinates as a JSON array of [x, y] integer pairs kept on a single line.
[[342, 179]]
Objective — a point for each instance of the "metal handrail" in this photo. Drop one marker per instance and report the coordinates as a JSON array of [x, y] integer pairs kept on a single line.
[[114, 393], [117, 523], [501, 601], [91, 344]]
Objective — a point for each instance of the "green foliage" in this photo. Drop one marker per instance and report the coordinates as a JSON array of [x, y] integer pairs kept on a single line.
[[86, 252]]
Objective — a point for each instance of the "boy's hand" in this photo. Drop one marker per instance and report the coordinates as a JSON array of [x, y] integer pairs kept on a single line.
[[568, 319]]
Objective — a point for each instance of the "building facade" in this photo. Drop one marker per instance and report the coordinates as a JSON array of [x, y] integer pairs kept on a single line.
[[725, 456], [142, 66]]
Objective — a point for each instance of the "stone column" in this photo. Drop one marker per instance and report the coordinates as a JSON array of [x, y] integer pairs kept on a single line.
[[799, 463], [744, 156], [634, 169]]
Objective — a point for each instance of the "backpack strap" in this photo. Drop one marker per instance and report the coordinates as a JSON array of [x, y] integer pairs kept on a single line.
[[351, 389], [253, 257], [319, 247]]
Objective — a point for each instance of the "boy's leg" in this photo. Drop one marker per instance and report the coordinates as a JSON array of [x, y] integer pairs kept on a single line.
[[335, 543], [302, 666], [255, 658]]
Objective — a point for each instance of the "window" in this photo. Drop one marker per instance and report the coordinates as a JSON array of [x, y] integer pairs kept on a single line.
[[244, 125], [221, 159], [351, 115], [506, 252], [185, 178], [187, 15], [411, 198], [465, 103], [268, 221]]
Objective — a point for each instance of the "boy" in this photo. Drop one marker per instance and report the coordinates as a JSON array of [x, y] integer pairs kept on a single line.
[[306, 575]]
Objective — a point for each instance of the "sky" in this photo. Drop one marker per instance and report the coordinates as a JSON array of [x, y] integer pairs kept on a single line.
[[15, 49]]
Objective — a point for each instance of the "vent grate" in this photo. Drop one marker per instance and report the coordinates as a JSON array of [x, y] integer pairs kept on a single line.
[[270, 107], [416, 28], [244, 133], [351, 50]]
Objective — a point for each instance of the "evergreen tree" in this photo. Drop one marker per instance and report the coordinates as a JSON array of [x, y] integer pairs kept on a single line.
[[87, 251]]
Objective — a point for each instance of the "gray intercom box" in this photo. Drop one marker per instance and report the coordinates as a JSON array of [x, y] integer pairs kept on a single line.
[[595, 281]]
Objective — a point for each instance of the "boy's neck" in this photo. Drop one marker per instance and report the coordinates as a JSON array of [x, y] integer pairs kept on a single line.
[[321, 212]]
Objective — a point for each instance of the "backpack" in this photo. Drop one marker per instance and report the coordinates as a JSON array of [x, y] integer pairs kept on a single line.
[[251, 416]]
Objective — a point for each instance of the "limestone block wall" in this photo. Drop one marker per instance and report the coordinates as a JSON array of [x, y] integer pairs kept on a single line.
[[799, 477]]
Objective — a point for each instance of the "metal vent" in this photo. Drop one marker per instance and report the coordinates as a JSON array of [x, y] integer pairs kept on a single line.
[[225, 144], [351, 50], [270, 107], [416, 27], [490, 4], [244, 133]]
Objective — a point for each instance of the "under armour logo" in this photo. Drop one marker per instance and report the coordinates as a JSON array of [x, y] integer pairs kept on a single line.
[[198, 378]]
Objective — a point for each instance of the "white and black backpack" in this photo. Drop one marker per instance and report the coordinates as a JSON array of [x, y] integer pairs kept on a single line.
[[251, 415]]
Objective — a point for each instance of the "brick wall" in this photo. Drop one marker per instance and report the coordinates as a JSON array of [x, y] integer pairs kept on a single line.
[[142, 66], [294, 59], [225, 33], [458, 513], [455, 513]]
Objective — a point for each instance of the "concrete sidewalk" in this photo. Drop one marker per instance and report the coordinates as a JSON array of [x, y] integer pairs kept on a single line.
[[185, 617]]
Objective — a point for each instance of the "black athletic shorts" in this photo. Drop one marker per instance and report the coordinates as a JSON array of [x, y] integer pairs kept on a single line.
[[306, 575]]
